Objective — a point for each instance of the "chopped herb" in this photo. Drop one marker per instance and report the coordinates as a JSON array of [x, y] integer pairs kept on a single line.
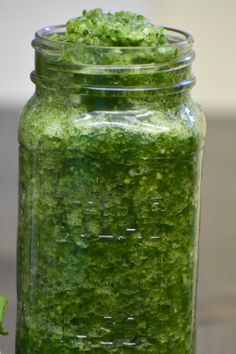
[[122, 29]]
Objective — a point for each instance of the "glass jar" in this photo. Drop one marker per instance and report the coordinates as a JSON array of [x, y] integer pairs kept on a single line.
[[110, 166]]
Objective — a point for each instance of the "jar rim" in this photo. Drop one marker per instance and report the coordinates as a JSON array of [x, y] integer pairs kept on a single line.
[[87, 62], [178, 38]]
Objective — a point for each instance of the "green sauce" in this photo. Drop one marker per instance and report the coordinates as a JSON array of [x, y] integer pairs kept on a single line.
[[122, 29], [109, 211]]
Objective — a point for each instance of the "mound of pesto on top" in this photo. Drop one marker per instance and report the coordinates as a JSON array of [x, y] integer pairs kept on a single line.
[[117, 33], [121, 29]]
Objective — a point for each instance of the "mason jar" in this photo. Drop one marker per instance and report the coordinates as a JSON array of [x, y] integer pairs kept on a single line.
[[110, 166]]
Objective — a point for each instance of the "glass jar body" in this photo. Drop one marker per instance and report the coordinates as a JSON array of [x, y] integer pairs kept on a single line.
[[108, 224]]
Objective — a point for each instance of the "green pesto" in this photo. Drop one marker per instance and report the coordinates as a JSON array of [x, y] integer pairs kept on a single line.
[[121, 29], [109, 210]]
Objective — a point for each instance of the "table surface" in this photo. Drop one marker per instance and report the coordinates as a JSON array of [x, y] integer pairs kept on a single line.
[[216, 310]]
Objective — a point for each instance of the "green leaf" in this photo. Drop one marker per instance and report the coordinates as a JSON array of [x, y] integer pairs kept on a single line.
[[3, 306]]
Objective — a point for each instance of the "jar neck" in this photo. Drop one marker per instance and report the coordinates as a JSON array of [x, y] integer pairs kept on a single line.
[[124, 73], [94, 101]]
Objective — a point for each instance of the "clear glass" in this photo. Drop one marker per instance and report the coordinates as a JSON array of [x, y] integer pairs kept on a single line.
[[110, 167]]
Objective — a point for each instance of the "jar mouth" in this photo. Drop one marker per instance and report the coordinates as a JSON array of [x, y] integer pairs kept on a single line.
[[176, 38], [179, 49], [167, 66]]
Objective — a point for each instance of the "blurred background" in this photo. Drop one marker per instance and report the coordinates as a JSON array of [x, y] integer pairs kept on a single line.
[[213, 25]]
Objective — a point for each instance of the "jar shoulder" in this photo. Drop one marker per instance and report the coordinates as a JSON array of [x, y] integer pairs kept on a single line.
[[50, 124], [44, 120]]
